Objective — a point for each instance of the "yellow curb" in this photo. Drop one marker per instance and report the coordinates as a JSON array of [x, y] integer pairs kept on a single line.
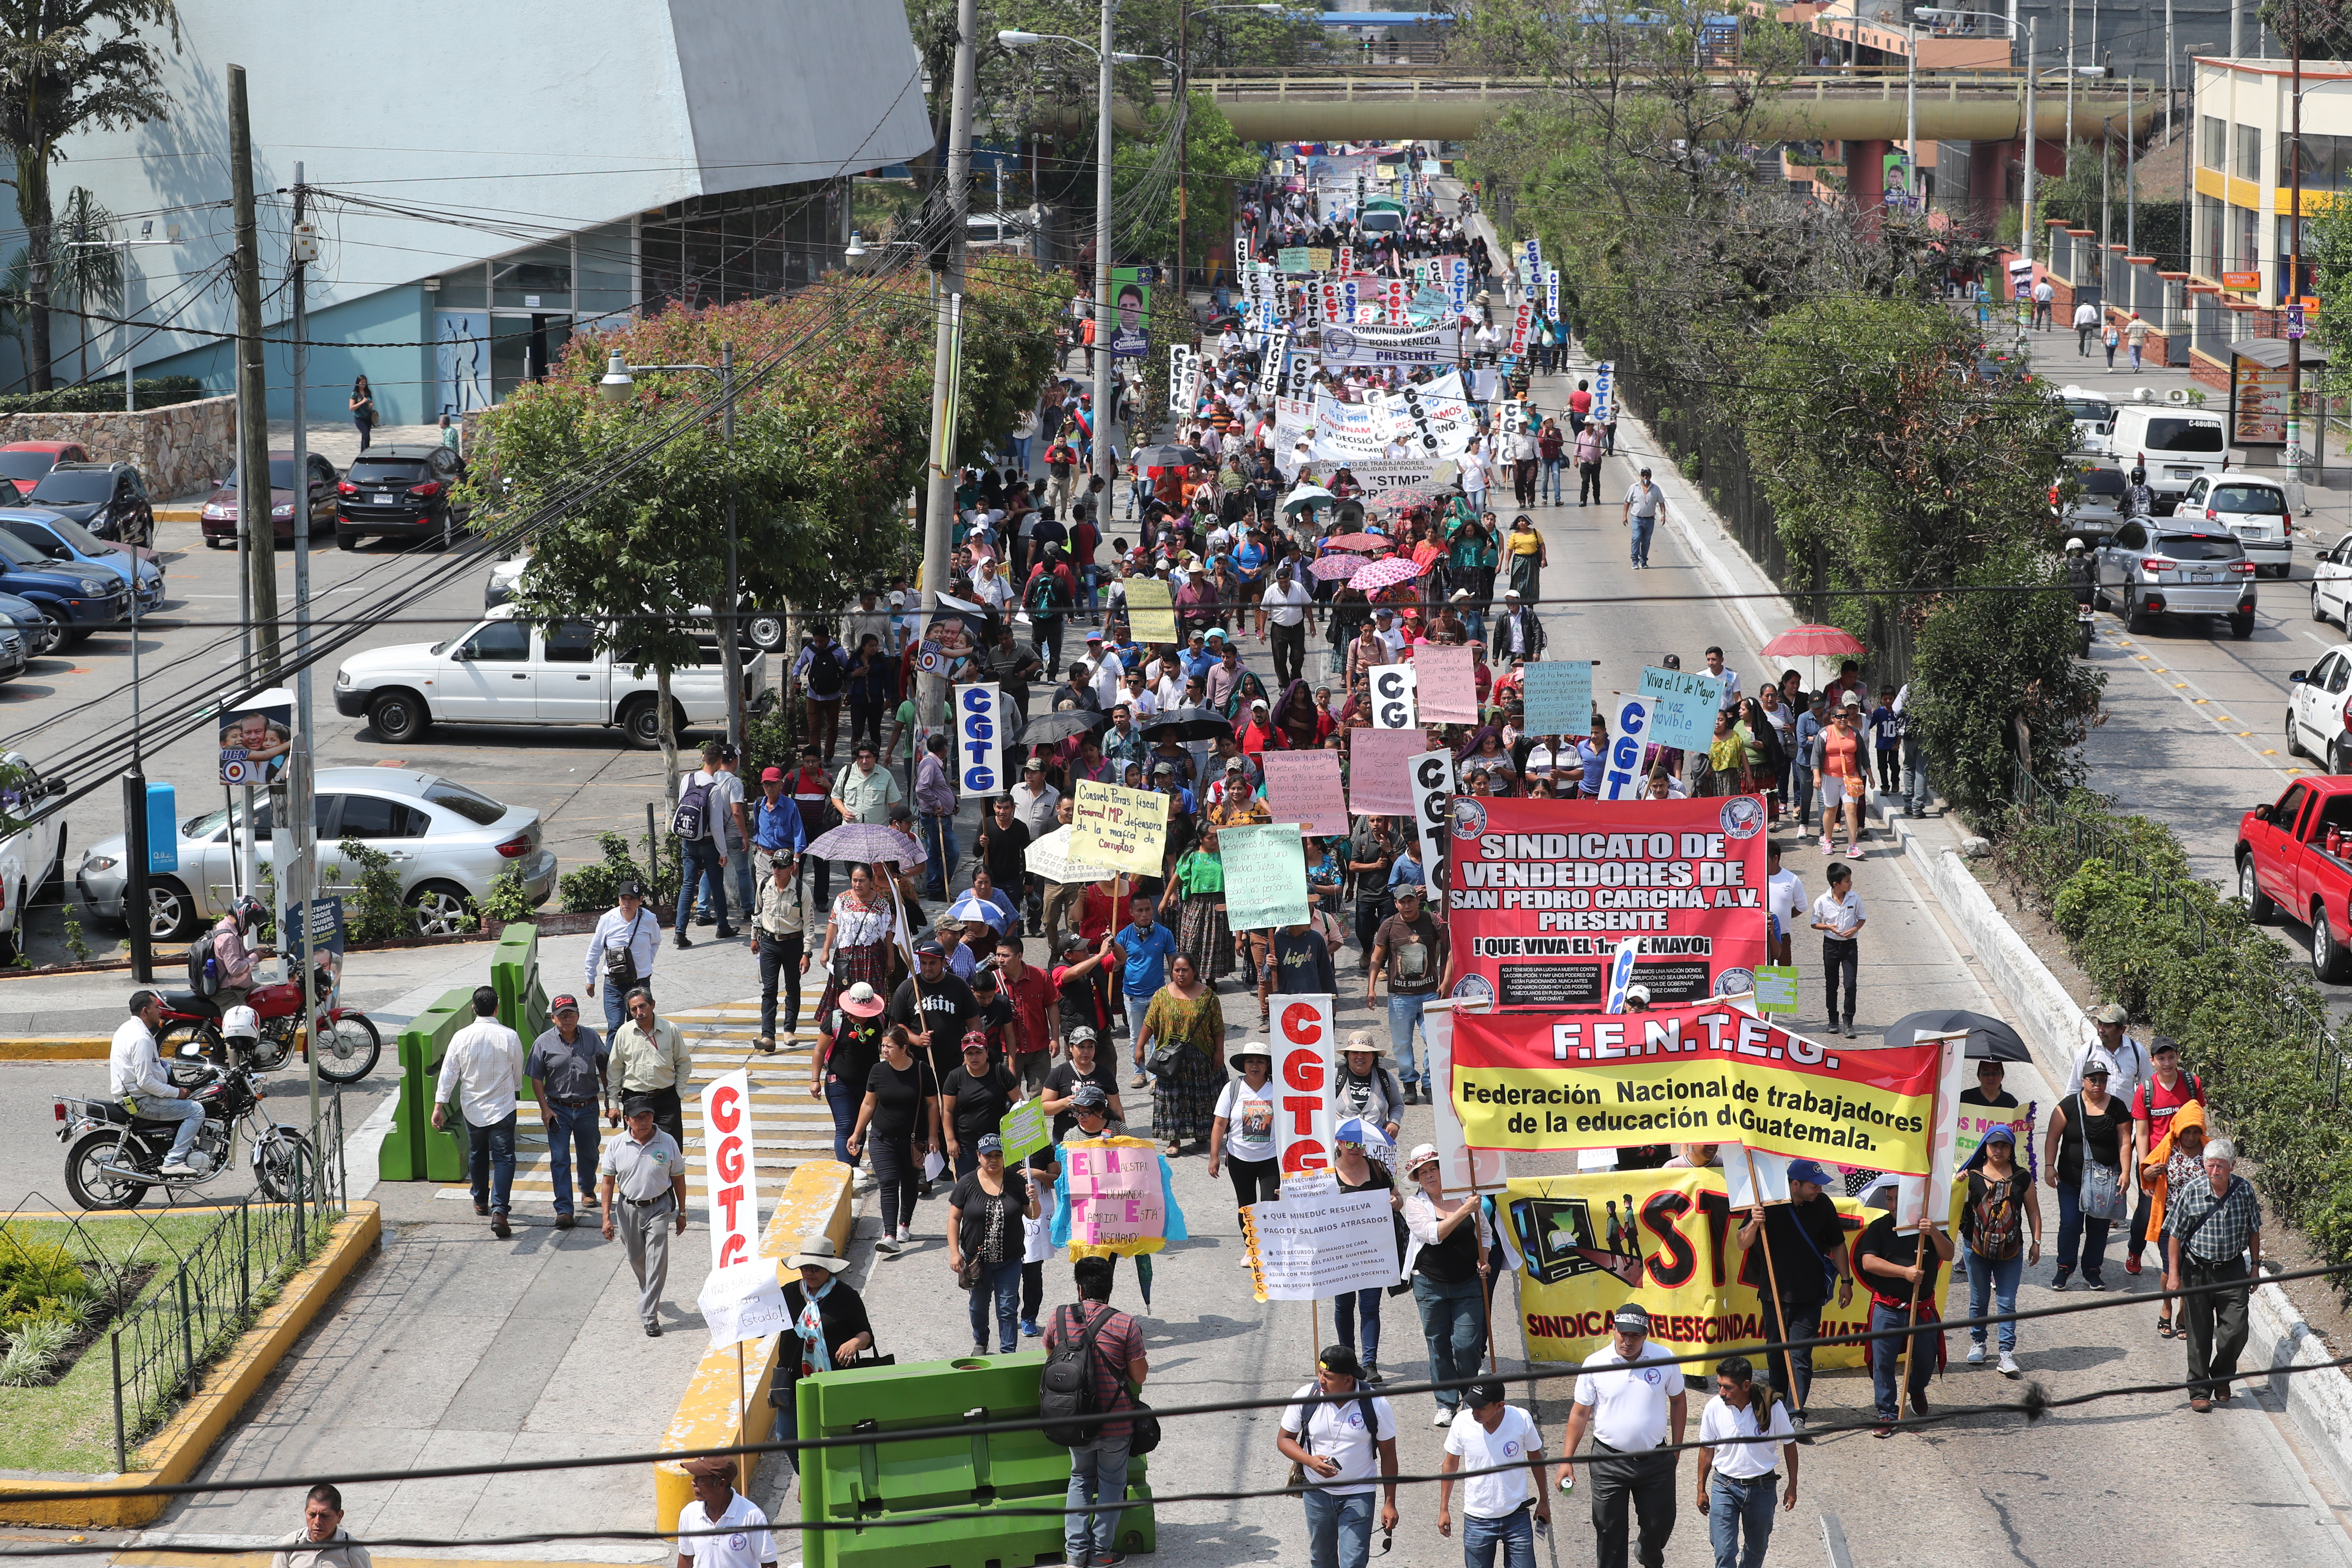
[[180, 513], [174, 1453], [55, 1049]]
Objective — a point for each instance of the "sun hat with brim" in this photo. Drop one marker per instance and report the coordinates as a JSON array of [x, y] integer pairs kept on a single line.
[[861, 1002], [817, 1252], [1257, 1049], [709, 1466], [1423, 1154]]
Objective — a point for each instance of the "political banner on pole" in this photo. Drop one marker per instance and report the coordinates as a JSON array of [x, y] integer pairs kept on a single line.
[[1304, 787], [1461, 1168], [1620, 773], [1265, 875], [1269, 378], [1316, 1242], [1179, 378], [1558, 694], [1541, 892], [1605, 391], [1392, 697], [728, 1173], [980, 769], [1151, 611], [1378, 783], [1241, 255], [1304, 1064], [1683, 706], [1382, 346], [1705, 1073], [1433, 785], [1669, 1241], [1114, 1197], [1126, 829]]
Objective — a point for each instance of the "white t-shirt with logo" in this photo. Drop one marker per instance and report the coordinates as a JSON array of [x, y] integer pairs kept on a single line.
[[1249, 1119], [1514, 1438], [1336, 1431], [745, 1543], [1629, 1403]]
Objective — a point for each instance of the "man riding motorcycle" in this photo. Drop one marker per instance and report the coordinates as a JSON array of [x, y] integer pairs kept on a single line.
[[2078, 571], [135, 1075]]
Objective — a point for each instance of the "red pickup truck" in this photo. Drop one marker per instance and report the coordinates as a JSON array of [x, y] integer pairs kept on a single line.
[[2296, 855]]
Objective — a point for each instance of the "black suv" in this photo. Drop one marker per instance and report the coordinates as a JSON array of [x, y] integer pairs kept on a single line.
[[399, 493], [105, 498]]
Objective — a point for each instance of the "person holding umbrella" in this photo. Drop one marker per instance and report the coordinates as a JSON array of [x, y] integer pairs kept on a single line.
[[1358, 1311]]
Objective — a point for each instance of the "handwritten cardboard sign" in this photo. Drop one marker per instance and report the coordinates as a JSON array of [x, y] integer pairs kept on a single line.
[[1683, 706], [1448, 683], [1304, 787], [1558, 697], [1265, 875], [1126, 829], [1380, 783], [1151, 611]]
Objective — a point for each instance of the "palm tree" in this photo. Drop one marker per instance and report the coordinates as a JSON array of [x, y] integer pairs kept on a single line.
[[87, 273], [68, 65]]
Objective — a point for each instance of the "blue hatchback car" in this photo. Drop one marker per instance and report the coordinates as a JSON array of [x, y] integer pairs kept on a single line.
[[73, 601], [68, 545]]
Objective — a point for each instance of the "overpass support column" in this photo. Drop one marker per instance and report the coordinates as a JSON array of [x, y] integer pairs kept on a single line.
[[1990, 164], [1866, 173]]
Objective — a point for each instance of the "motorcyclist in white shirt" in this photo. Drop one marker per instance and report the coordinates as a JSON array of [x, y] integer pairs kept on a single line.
[[135, 1075]]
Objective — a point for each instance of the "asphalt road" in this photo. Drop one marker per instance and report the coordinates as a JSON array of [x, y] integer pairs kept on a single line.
[[581, 780]]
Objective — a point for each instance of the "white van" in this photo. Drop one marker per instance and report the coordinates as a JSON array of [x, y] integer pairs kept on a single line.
[[2177, 444]]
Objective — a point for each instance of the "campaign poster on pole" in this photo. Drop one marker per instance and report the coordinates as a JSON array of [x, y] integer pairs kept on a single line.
[[1683, 706], [1620, 773], [729, 1175], [1124, 829], [1393, 706], [1377, 782], [979, 742], [1558, 696], [1131, 332], [1304, 787], [257, 735], [1316, 1242], [1304, 1063], [1543, 890], [1265, 875]]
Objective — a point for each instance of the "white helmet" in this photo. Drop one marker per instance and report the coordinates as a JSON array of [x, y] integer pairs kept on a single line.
[[240, 1024], [2072, 545]]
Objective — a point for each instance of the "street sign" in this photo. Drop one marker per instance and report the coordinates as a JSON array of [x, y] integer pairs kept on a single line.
[[2295, 320], [2242, 280]]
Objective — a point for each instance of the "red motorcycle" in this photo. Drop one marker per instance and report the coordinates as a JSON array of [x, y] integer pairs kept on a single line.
[[347, 1043]]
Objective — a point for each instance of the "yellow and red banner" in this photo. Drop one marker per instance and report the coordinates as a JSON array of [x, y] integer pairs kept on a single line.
[[1703, 1074], [1670, 1240], [1539, 894]]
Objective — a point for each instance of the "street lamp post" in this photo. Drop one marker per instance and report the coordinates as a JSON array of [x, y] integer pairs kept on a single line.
[[616, 387]]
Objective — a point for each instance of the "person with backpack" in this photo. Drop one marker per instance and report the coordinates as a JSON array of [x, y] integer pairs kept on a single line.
[[2154, 1103], [821, 672], [2002, 1202], [1095, 1363], [1339, 1442], [702, 824], [221, 966], [1047, 594]]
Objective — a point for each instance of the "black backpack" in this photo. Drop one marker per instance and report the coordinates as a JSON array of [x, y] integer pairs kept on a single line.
[[204, 966], [1046, 596], [692, 818], [824, 678], [1065, 1388]]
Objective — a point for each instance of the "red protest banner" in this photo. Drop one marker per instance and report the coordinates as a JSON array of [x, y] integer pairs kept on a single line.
[[1540, 893]]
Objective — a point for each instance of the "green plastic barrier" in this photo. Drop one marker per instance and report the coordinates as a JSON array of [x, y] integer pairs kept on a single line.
[[514, 975], [411, 1151], [872, 1481]]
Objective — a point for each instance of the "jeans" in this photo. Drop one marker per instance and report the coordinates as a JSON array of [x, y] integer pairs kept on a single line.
[[1803, 783], [939, 844], [1840, 959], [1515, 1533], [1734, 1508], [2216, 1323], [779, 963], [1136, 1006], [616, 1007], [1339, 1529], [572, 1132], [899, 1174], [1452, 1319], [2074, 1227], [366, 427], [1549, 487], [843, 1100], [489, 1162], [1003, 1288], [739, 859], [1354, 1309], [187, 1112], [1791, 1320], [704, 864], [1097, 1475], [1997, 1279], [1477, 499], [1886, 1357], [1404, 1015], [1643, 527]]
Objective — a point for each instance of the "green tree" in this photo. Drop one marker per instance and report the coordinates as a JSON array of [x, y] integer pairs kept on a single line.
[[68, 65], [1144, 178], [87, 271]]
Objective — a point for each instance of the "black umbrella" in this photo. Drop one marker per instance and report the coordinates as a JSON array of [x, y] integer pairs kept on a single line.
[[1173, 456], [1989, 1039], [1189, 725], [1047, 728]]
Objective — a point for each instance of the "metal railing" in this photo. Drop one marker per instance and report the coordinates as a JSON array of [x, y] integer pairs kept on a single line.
[[209, 1293], [2303, 1025]]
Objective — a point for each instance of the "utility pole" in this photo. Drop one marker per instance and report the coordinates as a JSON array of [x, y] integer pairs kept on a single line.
[[2066, 165], [303, 884], [1183, 155], [939, 511], [1911, 123], [730, 617], [256, 528], [2025, 214], [1106, 317], [2295, 452], [2131, 171]]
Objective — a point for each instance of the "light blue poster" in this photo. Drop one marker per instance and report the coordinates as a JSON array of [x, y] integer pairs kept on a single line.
[[1683, 704], [1558, 697]]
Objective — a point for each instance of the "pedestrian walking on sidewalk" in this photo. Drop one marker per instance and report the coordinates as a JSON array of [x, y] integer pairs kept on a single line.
[[1632, 1407], [650, 1058], [1588, 465], [2136, 332], [1098, 1466], [2083, 1158], [322, 1542], [1504, 1507], [721, 1528], [2002, 1206], [481, 1075], [2216, 1239], [567, 1073], [2087, 322], [2043, 293], [1839, 916], [1339, 1448], [2109, 339], [1643, 503], [646, 1171], [620, 953], [1736, 1478], [779, 937]]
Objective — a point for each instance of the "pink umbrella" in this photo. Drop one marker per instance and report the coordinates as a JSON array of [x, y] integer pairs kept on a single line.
[[1385, 573], [1359, 541], [1813, 642], [1341, 566], [1402, 500]]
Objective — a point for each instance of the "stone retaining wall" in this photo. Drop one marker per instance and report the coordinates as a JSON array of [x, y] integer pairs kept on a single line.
[[177, 448]]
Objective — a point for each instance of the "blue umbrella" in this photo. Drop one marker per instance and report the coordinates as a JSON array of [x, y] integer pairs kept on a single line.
[[973, 907], [1356, 1130]]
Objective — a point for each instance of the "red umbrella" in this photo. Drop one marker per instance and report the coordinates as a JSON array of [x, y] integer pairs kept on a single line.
[[1359, 542], [1812, 642]]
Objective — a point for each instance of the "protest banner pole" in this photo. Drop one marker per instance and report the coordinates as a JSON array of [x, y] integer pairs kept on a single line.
[[1927, 1245], [1763, 1239], [745, 1463]]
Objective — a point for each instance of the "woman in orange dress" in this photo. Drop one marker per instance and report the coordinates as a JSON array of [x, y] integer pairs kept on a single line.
[[1843, 779]]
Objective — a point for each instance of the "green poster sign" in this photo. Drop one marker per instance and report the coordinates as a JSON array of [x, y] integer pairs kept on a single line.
[[1776, 988], [1024, 1130]]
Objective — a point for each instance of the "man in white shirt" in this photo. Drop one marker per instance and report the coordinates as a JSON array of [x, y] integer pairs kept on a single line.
[[1839, 916], [1285, 606], [1110, 674], [2132, 1064], [1730, 679], [1784, 895], [1384, 627], [2087, 322], [481, 1075], [1489, 1434], [1632, 1409], [134, 1074], [1736, 1479], [1337, 1446], [721, 1528]]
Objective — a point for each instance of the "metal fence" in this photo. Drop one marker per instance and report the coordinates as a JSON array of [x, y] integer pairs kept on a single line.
[[2303, 1025], [211, 1290]]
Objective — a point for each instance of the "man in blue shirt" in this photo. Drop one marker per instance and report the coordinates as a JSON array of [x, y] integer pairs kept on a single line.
[[1143, 950], [1197, 658], [776, 827]]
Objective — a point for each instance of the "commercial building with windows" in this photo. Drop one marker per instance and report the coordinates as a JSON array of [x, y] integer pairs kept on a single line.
[[2244, 232], [495, 188]]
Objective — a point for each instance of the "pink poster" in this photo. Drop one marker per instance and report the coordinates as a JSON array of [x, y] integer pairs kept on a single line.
[[1114, 1199], [1304, 787], [1449, 684], [1380, 780]]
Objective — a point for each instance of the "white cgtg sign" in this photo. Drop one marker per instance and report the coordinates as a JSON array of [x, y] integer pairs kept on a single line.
[[1432, 803], [1392, 697], [1302, 1068], [979, 716], [728, 1175], [1621, 772]]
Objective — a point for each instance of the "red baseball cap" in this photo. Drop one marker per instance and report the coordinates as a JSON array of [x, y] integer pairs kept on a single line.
[[771, 775]]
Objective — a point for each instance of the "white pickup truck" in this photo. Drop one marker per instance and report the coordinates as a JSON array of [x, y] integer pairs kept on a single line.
[[34, 853], [506, 672]]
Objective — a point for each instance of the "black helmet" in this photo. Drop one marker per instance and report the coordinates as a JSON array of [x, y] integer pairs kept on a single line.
[[250, 912]]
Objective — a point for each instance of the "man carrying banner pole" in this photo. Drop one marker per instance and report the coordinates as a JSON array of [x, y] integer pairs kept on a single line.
[[1808, 1228]]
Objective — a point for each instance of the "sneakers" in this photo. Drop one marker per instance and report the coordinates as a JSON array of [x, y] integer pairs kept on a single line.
[[1825, 850], [2131, 1264], [906, 1234], [1444, 1417], [978, 1348], [177, 1168], [2094, 1282], [1976, 1355], [888, 1245], [2008, 1367], [2058, 1280], [1853, 852], [1029, 1329]]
